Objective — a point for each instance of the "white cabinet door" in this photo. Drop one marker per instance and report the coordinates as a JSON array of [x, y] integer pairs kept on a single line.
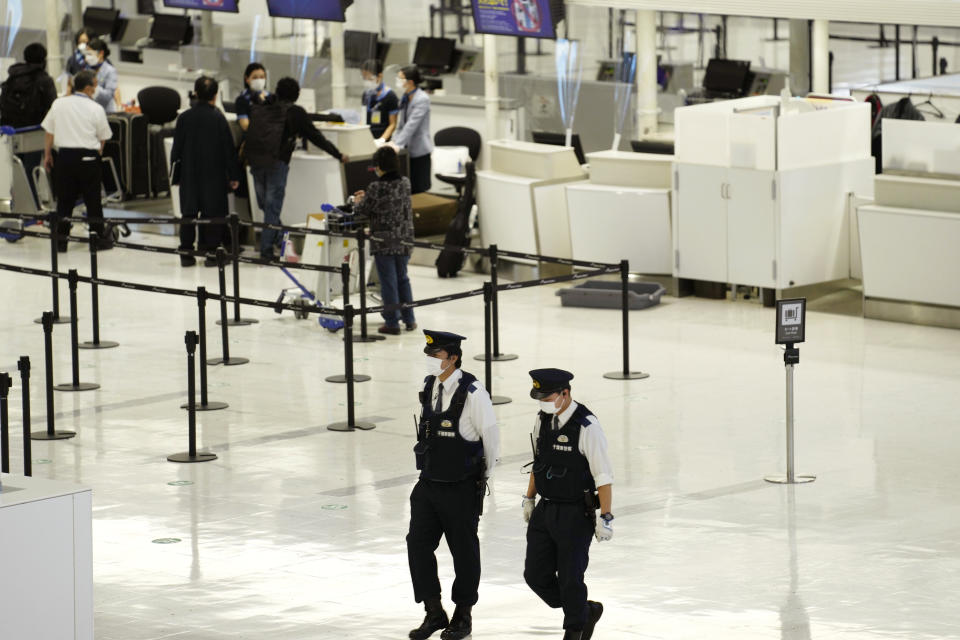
[[751, 227], [702, 222]]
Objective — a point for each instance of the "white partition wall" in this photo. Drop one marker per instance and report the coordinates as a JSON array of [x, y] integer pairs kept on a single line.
[[915, 146]]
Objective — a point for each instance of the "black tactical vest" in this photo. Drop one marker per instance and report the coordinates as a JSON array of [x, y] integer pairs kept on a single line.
[[561, 472], [442, 454]]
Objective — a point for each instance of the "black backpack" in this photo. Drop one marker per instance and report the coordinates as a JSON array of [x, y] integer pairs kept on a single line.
[[22, 102], [458, 233], [265, 142]]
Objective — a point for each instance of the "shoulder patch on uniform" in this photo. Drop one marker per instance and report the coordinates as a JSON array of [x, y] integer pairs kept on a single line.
[[473, 387]]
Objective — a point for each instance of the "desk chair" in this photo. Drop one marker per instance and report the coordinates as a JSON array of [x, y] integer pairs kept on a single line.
[[160, 106], [458, 137]]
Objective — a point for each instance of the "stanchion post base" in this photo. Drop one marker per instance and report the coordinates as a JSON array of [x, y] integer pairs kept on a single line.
[[368, 338], [782, 479], [103, 344], [60, 320], [620, 375], [501, 400], [242, 322], [344, 426], [232, 362], [83, 386], [201, 456], [500, 357], [210, 406], [340, 378], [57, 435]]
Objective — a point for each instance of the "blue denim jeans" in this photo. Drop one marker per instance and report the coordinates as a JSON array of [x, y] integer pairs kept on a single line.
[[270, 184], [395, 288]]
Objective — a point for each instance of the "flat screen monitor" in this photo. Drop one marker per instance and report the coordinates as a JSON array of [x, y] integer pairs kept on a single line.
[[727, 76], [229, 6], [359, 46], [560, 140], [434, 55], [145, 7], [524, 18], [103, 22], [330, 10], [170, 30]]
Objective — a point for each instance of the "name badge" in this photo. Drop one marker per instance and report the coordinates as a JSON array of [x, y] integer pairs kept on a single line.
[[376, 117]]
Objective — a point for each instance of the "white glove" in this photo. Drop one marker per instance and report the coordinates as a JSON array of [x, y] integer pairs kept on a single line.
[[379, 142], [604, 530], [528, 505]]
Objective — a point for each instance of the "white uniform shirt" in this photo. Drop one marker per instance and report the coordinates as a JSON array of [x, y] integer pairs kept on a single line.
[[77, 122], [592, 444], [477, 420]]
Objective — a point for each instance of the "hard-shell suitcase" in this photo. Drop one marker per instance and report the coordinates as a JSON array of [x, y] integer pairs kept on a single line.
[[131, 131]]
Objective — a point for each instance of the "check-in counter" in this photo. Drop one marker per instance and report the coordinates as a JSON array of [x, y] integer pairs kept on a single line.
[[623, 212], [47, 559], [523, 200], [470, 111]]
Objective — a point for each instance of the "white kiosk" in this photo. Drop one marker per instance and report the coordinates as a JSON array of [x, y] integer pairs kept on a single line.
[[46, 551], [909, 237], [760, 189], [624, 211], [522, 197]]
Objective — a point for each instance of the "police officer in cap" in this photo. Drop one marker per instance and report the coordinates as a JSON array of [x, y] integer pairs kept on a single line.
[[458, 443], [573, 475]]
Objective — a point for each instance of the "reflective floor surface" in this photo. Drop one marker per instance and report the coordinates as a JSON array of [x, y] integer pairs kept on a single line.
[[297, 532]]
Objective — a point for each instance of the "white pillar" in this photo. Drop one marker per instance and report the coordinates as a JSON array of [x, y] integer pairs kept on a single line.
[[206, 27], [55, 61], [338, 63], [646, 73], [821, 56], [491, 94]]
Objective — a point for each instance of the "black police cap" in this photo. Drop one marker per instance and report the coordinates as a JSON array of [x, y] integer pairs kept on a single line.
[[549, 381], [441, 341]]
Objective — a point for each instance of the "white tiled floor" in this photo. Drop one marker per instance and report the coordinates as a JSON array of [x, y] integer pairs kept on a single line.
[[296, 532]]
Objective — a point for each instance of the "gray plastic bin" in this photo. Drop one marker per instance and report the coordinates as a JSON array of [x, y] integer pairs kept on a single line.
[[601, 294]]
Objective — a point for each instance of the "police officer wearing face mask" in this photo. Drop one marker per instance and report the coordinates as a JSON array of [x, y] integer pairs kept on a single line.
[[458, 443], [573, 475]]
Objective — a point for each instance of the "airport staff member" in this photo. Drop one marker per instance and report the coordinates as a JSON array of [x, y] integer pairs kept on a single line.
[[77, 62], [379, 100], [77, 127], [571, 470], [107, 95], [413, 127], [254, 92], [458, 444]]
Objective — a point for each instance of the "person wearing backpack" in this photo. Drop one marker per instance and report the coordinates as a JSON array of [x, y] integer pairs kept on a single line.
[[28, 91], [275, 127]]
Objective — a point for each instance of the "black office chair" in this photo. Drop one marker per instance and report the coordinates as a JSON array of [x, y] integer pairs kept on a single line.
[[458, 137], [159, 104]]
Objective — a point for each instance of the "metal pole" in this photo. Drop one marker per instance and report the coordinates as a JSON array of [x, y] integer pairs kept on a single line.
[[226, 360], [521, 56], [96, 343], [494, 355], [625, 374], [74, 384], [24, 367], [790, 357], [205, 404], [348, 375], [54, 267], [234, 224], [362, 255], [50, 433], [191, 340], [487, 339], [5, 384], [351, 422]]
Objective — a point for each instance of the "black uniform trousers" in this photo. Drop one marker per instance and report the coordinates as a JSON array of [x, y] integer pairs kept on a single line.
[[448, 509], [206, 204], [558, 550], [420, 174], [78, 173]]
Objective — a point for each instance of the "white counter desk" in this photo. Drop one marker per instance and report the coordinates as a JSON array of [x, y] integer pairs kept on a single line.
[[623, 212], [46, 551]]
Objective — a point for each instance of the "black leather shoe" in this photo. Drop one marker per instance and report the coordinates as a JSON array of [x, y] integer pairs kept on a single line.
[[187, 261], [390, 331], [570, 634], [435, 620], [594, 611], [210, 261], [461, 625]]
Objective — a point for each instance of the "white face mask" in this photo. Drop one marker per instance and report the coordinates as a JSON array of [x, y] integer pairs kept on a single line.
[[370, 84], [92, 59], [82, 47], [548, 407], [258, 84], [401, 84], [434, 366]]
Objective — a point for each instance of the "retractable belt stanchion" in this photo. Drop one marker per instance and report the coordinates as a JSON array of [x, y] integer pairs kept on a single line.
[[348, 376], [50, 433], [192, 455], [226, 360], [96, 343], [74, 384], [351, 422], [487, 337], [362, 266], [54, 221], [205, 405], [236, 320], [5, 384], [625, 374], [23, 366], [495, 355], [791, 357]]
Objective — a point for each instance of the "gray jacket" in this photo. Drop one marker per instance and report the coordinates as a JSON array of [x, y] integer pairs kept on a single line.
[[107, 83], [413, 124]]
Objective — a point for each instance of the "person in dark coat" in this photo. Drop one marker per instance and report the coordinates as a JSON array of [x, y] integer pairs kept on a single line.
[[204, 165]]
